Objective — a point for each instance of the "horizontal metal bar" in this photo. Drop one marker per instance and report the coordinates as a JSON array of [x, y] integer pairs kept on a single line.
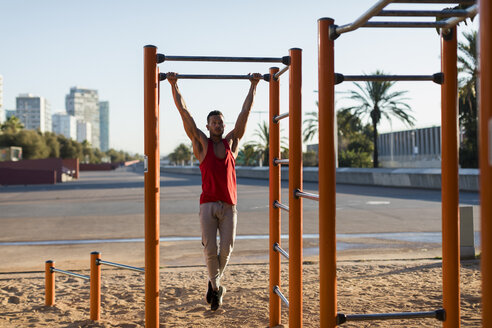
[[438, 314], [439, 24], [437, 78], [298, 193], [284, 60], [465, 2], [279, 73], [163, 76], [424, 13], [277, 291], [277, 248], [363, 18], [121, 266], [277, 161], [277, 204], [68, 273], [452, 22], [277, 118]]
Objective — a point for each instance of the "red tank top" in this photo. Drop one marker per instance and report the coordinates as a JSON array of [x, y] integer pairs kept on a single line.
[[218, 176]]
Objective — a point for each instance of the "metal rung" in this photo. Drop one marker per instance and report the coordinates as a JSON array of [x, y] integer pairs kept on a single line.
[[464, 2], [68, 273], [277, 248], [163, 76], [438, 314], [279, 73], [298, 193], [285, 60], [277, 118], [121, 266], [277, 161], [423, 13], [277, 204], [277, 291], [436, 78]]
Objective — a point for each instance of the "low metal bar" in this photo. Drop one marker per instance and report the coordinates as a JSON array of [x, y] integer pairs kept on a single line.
[[121, 266], [279, 73], [464, 2], [437, 314], [285, 60], [277, 248], [277, 291], [424, 13], [277, 118], [277, 204], [354, 78], [73, 274], [277, 161], [163, 76], [299, 193], [363, 18]]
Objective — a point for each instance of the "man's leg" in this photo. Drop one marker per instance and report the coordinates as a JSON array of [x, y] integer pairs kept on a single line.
[[209, 225], [227, 233]]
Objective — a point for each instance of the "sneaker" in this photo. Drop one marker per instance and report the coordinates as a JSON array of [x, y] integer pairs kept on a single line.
[[210, 292], [217, 296]]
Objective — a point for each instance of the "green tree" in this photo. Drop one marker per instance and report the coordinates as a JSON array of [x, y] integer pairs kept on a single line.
[[376, 100], [247, 156], [354, 141], [311, 123], [468, 95], [12, 125], [32, 143], [262, 145], [181, 154], [53, 144]]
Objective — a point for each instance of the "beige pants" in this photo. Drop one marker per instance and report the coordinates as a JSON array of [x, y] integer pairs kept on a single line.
[[222, 217]]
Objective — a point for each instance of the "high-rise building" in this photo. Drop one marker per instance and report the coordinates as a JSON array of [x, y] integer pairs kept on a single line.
[[104, 124], [84, 131], [33, 112], [84, 105], [65, 124], [2, 110]]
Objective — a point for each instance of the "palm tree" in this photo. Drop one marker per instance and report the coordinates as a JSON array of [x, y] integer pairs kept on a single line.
[[311, 126], [262, 147], [12, 125], [376, 100], [468, 95]]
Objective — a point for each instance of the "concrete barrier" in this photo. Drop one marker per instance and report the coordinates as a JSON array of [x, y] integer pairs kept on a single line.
[[401, 177]]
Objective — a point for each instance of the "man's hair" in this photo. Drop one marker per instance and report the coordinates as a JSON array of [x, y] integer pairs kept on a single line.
[[213, 113]]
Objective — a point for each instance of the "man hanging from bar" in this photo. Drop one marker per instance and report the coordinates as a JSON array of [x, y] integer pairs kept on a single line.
[[217, 155]]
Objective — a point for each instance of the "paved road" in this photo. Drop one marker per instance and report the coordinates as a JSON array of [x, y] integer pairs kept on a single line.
[[110, 205]]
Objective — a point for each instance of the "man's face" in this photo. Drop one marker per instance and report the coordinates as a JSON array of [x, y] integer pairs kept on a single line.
[[216, 125]]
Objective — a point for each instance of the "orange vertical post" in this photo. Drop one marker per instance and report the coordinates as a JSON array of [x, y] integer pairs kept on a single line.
[[485, 157], [327, 183], [449, 180], [49, 283], [295, 182], [152, 192], [274, 172], [95, 289]]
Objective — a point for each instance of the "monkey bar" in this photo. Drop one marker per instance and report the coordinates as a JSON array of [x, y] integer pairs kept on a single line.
[[328, 33]]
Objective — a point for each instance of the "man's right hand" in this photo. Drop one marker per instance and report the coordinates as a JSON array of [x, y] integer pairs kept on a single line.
[[172, 78]]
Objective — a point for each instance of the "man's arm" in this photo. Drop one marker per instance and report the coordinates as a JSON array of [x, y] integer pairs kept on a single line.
[[238, 132], [197, 137]]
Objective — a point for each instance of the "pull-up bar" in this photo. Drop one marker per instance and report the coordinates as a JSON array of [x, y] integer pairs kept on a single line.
[[285, 60], [455, 16], [436, 78], [163, 76]]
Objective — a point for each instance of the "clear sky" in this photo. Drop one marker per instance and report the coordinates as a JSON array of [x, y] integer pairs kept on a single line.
[[48, 46]]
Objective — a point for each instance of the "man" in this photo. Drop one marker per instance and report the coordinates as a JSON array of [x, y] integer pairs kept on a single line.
[[217, 157]]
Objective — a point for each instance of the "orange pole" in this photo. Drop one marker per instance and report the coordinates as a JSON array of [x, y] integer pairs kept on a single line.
[[95, 290], [152, 193], [449, 181], [485, 157], [295, 182], [274, 172], [327, 169], [49, 285]]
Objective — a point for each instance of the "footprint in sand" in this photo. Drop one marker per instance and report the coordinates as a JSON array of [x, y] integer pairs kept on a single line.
[[199, 308]]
